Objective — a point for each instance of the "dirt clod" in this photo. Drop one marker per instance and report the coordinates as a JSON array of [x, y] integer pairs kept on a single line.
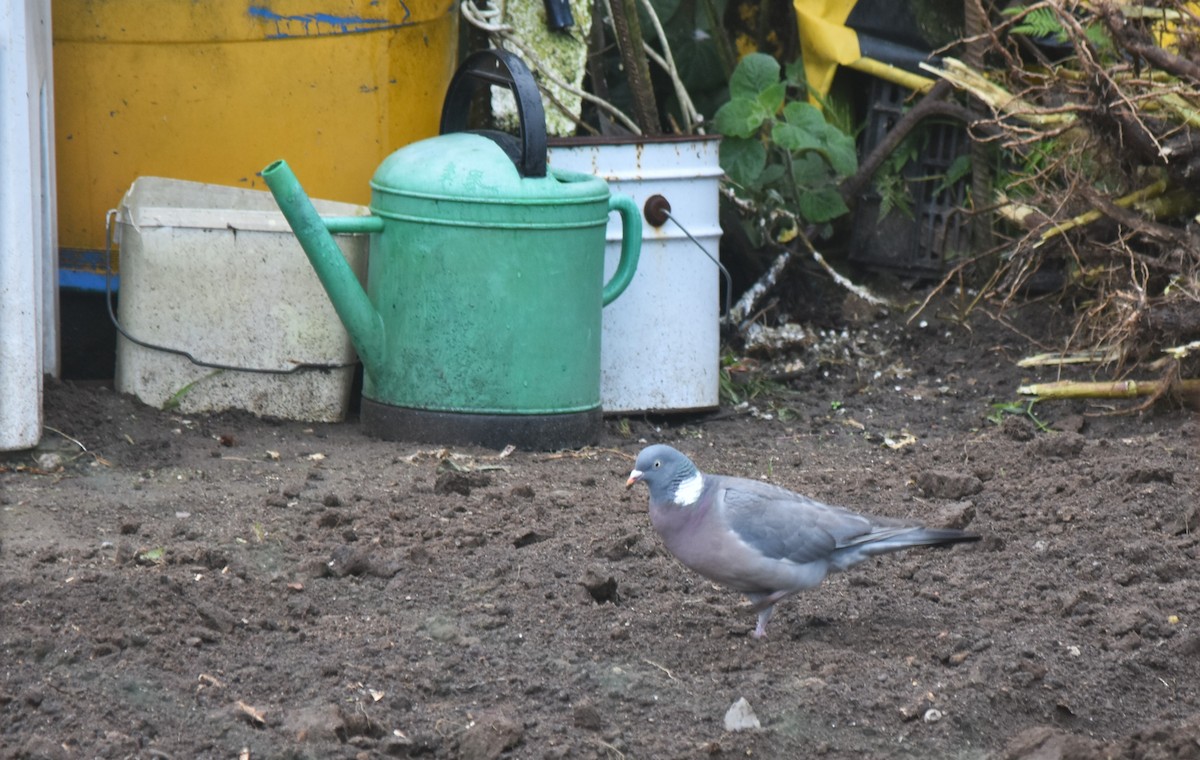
[[452, 481], [1059, 445], [587, 716], [948, 484], [957, 515], [1048, 743], [491, 734]]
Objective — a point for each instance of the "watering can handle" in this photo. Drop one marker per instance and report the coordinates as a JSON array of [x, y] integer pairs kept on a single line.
[[500, 67], [631, 246]]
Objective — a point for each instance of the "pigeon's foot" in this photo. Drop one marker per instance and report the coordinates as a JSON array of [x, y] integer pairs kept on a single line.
[[760, 630]]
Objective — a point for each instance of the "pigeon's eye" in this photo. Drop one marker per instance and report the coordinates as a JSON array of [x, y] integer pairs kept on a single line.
[[657, 463]]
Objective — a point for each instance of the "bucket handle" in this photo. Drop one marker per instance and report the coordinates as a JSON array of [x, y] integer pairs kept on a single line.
[[500, 67], [631, 246]]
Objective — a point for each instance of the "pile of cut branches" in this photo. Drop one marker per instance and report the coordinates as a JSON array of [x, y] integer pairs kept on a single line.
[[1095, 109]]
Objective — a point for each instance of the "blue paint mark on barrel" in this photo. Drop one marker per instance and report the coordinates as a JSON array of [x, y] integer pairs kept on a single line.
[[324, 24]]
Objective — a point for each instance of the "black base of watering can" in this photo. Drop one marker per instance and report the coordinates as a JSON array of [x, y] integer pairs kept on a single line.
[[541, 432]]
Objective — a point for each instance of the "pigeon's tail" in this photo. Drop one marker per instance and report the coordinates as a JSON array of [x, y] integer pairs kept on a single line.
[[923, 537], [888, 540]]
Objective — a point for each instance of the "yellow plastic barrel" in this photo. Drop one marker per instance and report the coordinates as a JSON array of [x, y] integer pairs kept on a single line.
[[214, 90]]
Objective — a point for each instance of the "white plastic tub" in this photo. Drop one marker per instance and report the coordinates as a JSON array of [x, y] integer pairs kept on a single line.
[[216, 272], [660, 345]]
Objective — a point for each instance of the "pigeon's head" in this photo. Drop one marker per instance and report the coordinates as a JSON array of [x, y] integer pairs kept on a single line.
[[670, 475]]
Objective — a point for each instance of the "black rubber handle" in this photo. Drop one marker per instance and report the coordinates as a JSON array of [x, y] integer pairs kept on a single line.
[[500, 67], [558, 15]]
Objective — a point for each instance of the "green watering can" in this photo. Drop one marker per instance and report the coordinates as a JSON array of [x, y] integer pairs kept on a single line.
[[480, 322]]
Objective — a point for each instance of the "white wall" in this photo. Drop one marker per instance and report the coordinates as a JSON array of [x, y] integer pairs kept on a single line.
[[28, 225]]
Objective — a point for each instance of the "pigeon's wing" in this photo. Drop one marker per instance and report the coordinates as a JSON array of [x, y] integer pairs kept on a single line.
[[785, 525]]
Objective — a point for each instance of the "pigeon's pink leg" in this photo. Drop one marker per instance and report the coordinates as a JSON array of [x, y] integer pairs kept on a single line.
[[760, 631]]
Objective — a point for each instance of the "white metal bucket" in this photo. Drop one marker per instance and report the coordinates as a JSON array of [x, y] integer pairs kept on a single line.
[[660, 345]]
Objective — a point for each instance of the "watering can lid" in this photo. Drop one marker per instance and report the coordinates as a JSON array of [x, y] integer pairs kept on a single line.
[[468, 167], [471, 168], [485, 165]]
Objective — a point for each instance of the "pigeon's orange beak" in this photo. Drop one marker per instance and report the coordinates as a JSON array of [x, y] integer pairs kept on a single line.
[[634, 477]]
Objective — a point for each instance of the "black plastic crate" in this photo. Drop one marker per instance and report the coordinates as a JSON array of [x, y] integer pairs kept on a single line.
[[938, 230]]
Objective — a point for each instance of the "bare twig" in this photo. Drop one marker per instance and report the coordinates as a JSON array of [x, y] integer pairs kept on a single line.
[[660, 667], [747, 304], [1117, 389], [629, 39]]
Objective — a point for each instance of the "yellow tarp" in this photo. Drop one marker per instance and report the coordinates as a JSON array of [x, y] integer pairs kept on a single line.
[[826, 43], [825, 40]]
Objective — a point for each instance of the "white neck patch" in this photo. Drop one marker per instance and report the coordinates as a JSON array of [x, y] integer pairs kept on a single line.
[[689, 490]]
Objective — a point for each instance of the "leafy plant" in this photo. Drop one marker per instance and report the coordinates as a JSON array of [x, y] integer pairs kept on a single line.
[[784, 413], [894, 193], [897, 181], [1018, 409], [1039, 22], [959, 169], [701, 48], [737, 382], [177, 397], [156, 556], [780, 153], [623, 428], [1044, 24]]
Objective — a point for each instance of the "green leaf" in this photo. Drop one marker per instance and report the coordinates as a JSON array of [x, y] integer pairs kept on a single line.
[[796, 75], [794, 139], [1099, 38], [152, 556], [893, 194], [805, 116], [810, 170], [177, 397], [957, 170], [743, 160], [840, 113], [770, 99], [805, 129], [771, 174], [840, 152], [739, 117], [822, 205], [1040, 22], [754, 232], [754, 74]]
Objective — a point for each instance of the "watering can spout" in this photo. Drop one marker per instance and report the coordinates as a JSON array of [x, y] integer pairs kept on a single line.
[[353, 307]]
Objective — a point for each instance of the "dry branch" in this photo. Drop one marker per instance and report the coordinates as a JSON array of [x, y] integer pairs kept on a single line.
[[1087, 217], [1130, 39], [1064, 389], [1102, 151], [996, 97], [1098, 356]]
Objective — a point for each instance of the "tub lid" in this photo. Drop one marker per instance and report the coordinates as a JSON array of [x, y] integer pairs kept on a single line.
[[164, 202]]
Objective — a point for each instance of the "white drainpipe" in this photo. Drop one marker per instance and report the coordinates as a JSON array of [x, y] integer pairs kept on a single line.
[[29, 346]]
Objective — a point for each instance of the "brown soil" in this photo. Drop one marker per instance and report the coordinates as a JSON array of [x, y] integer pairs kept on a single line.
[[223, 586]]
